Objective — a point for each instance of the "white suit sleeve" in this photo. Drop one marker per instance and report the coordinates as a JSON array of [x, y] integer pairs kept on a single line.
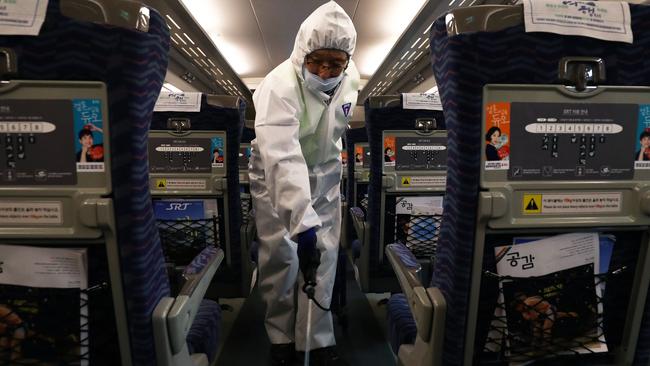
[[277, 130]]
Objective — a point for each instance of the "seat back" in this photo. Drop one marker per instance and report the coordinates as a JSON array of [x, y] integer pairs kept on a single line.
[[248, 229], [194, 156], [248, 135], [387, 120], [107, 213], [508, 55], [355, 137], [361, 160]]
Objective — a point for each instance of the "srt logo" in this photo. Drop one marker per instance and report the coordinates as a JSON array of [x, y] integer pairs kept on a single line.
[[172, 207]]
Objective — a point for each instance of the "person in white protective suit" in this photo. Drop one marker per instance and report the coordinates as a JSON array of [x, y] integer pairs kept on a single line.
[[302, 109]]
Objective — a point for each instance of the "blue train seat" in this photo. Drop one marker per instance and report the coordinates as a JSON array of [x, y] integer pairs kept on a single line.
[[104, 206], [374, 230], [356, 184], [476, 51], [216, 127]]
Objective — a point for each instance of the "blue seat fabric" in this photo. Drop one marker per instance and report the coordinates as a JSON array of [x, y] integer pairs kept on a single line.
[[462, 65], [401, 325], [203, 336], [133, 66]]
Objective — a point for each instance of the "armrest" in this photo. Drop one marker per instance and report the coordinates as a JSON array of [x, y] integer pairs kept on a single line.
[[173, 317], [198, 276], [406, 268], [427, 305], [358, 220], [406, 257]]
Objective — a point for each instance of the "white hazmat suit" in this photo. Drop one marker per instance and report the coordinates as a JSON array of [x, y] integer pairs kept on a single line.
[[295, 173]]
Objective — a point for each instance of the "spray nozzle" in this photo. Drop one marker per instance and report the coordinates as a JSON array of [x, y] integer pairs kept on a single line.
[[309, 288]]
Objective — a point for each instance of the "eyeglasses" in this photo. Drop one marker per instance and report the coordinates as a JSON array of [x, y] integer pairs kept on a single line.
[[334, 67]]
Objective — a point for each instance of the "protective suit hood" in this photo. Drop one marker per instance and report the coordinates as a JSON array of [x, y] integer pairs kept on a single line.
[[329, 26]]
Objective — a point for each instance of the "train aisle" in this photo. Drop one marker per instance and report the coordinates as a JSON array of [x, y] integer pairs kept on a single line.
[[362, 343]]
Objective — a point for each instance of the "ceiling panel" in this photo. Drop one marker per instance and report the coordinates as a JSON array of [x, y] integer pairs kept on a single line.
[[379, 24], [257, 35], [280, 20], [232, 27]]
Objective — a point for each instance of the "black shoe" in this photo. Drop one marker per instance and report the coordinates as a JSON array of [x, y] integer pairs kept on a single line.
[[326, 356], [283, 354]]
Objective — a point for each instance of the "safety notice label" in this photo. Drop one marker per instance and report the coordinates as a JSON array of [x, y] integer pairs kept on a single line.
[[173, 183], [606, 20], [178, 102], [22, 212], [432, 181], [556, 203]]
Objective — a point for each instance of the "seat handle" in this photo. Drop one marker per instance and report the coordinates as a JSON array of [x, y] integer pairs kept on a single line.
[[582, 71], [8, 63]]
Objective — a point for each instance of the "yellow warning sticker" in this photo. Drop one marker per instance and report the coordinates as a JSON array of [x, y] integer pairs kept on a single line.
[[161, 183], [406, 181], [532, 203]]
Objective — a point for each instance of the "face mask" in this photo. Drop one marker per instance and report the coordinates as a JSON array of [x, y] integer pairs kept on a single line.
[[314, 82]]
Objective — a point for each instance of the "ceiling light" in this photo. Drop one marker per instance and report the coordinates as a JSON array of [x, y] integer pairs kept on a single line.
[[188, 38], [172, 20], [200, 50], [416, 42], [194, 52], [404, 55], [423, 43], [170, 87], [433, 90], [180, 38], [174, 40]]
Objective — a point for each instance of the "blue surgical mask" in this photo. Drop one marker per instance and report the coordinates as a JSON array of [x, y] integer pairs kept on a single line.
[[315, 83]]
